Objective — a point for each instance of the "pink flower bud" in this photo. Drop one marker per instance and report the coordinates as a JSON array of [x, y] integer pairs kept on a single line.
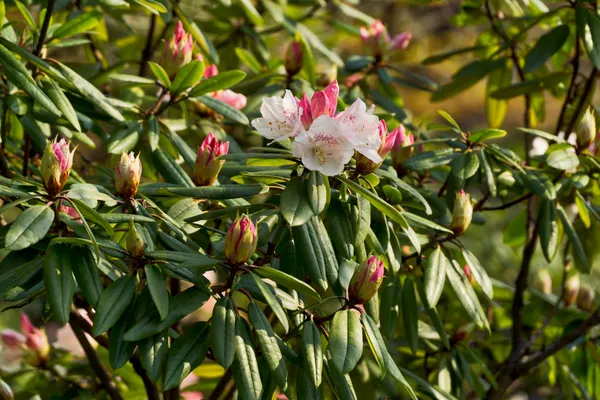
[[70, 211], [462, 213], [134, 241], [127, 175], [208, 163], [586, 299], [235, 100], [401, 41], [319, 104], [36, 340], [332, 92], [366, 280], [178, 50], [12, 339], [571, 290], [241, 240], [468, 274], [364, 165], [306, 118], [293, 58], [402, 147], [57, 162], [211, 71]]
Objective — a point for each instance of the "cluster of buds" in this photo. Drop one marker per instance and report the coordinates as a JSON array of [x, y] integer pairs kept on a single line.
[[366, 280], [208, 162], [377, 39], [178, 50], [127, 175], [402, 148], [366, 166], [571, 290], [586, 299], [543, 281], [323, 102], [462, 213], [241, 240], [228, 96], [31, 343], [586, 130], [57, 162], [134, 241], [293, 58]]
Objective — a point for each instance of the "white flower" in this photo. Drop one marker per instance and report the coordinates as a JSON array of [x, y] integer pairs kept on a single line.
[[360, 127], [280, 117], [538, 146], [323, 148]]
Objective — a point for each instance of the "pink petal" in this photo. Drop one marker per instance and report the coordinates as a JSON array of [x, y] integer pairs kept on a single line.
[[319, 104]]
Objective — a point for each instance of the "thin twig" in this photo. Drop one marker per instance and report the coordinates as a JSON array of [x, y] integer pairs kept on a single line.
[[149, 48], [95, 364], [589, 85], [571, 91], [44, 29], [507, 205]]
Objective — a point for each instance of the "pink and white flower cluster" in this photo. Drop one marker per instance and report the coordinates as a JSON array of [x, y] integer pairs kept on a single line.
[[323, 139]]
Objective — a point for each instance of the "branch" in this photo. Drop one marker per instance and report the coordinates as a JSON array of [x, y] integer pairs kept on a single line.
[[95, 363], [44, 30], [149, 48], [509, 204], [571, 91], [589, 85]]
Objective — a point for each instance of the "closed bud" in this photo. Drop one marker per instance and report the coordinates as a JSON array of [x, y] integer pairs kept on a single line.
[[586, 130], [400, 41], [462, 213], [6, 392], [571, 290], [127, 175], [240, 241], [134, 241], [208, 162], [366, 166], [366, 280], [57, 162], [293, 58], [543, 281], [586, 299], [178, 50], [469, 274], [36, 340], [402, 147], [12, 339]]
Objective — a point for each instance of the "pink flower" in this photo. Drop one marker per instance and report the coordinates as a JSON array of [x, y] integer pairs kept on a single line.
[[12, 339], [208, 163], [377, 38], [402, 147], [366, 166], [366, 280], [31, 343], [178, 50], [235, 100], [323, 102], [401, 41]]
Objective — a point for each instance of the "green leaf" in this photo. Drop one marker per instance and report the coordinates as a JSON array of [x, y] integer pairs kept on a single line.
[[582, 208], [451, 120], [468, 76], [495, 109], [120, 351], [288, 281], [87, 274], [312, 354], [124, 139], [376, 201], [17, 268], [187, 76], [410, 314], [376, 342], [319, 193], [222, 332], [248, 59], [583, 264], [117, 218], [26, 15], [113, 302], [296, 206], [345, 341], [153, 131], [268, 344], [220, 192], [430, 159], [542, 134], [187, 353], [61, 101], [310, 254], [531, 86], [160, 74], [153, 352], [489, 174], [546, 47], [79, 24], [466, 295], [58, 278], [340, 383], [154, 6], [549, 232], [180, 306], [221, 81], [338, 225], [251, 12], [465, 165], [588, 27], [272, 301], [435, 274], [486, 134], [24, 83], [248, 376], [479, 274], [438, 58], [224, 109], [35, 132], [158, 289], [170, 170], [29, 228], [563, 159]]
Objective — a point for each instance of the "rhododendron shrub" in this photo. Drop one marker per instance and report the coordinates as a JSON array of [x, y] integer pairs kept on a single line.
[[247, 199]]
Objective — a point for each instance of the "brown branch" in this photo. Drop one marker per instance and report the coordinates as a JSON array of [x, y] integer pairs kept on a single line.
[[589, 85], [509, 204], [224, 387], [571, 91], [44, 29], [95, 364], [149, 48]]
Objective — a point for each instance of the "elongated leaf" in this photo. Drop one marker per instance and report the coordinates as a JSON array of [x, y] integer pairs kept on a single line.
[[562, 159], [222, 332], [87, 274], [187, 76], [23, 82], [112, 303], [466, 295], [160, 74], [247, 368], [582, 263], [272, 301], [79, 24], [549, 232], [338, 225], [345, 341], [187, 353], [158, 289], [435, 276], [224, 109], [221, 81], [530, 86], [409, 314], [120, 351], [153, 352], [29, 228], [288, 281], [17, 268], [58, 278], [376, 341], [546, 46], [92, 215], [495, 109], [220, 192], [295, 204], [430, 159], [479, 274], [61, 101], [268, 344], [309, 254], [312, 354], [170, 170], [588, 27]]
